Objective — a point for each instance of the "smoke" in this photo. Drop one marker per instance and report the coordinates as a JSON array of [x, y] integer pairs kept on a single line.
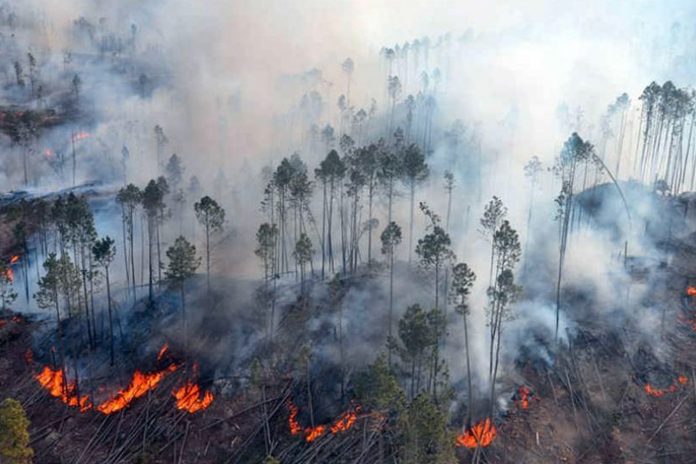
[[226, 80]]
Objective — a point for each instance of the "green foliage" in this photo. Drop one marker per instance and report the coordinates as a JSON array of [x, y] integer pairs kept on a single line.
[[14, 433], [493, 214], [377, 388], [415, 169], [104, 251], [415, 333], [330, 169], [303, 250], [506, 244], [129, 197], [183, 261], [462, 280], [153, 196], [266, 238], [426, 438], [61, 282], [391, 237], [209, 214], [174, 171]]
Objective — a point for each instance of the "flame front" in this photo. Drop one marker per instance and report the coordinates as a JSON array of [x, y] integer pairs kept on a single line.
[[312, 433], [139, 386], [660, 392], [295, 427], [481, 434], [9, 273], [188, 398], [54, 382], [522, 400], [690, 291], [344, 422]]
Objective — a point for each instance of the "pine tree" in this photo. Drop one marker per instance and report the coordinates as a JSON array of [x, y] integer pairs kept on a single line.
[[183, 263], [104, 252], [391, 237], [14, 433], [212, 217]]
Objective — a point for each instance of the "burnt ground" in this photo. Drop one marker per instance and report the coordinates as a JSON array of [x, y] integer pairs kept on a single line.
[[590, 405]]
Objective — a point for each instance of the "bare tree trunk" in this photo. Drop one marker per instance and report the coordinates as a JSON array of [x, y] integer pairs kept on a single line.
[[410, 227], [111, 321]]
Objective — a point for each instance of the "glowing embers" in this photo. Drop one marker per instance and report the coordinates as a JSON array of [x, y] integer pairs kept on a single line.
[[342, 424], [77, 136], [660, 392], [162, 352], [54, 382], [140, 384], [189, 398], [481, 434]]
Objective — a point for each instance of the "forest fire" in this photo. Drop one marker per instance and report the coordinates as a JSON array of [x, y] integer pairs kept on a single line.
[[481, 434], [189, 398], [690, 291], [660, 392], [9, 273], [54, 382], [344, 422], [139, 386], [523, 396]]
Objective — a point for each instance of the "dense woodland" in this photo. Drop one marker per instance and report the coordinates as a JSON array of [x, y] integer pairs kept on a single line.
[[384, 281]]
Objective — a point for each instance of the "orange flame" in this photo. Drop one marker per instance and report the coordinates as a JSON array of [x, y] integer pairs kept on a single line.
[[9, 273], [188, 398], [660, 392], [295, 427], [162, 352], [690, 291], [54, 382], [481, 434], [312, 433], [344, 422], [139, 386], [522, 400]]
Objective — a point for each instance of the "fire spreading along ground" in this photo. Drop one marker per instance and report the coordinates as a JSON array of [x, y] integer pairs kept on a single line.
[[54, 382], [342, 424], [188, 397], [660, 392], [481, 434]]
